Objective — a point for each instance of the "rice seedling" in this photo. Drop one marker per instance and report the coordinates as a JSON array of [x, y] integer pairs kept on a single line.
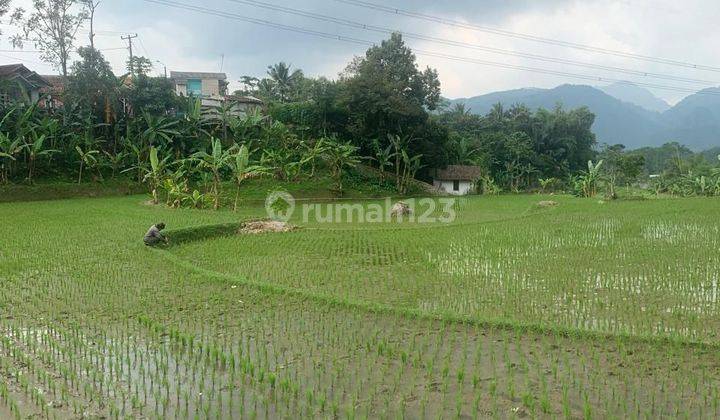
[[579, 311]]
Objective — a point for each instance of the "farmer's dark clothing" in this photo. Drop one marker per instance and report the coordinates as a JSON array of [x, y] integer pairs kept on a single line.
[[153, 236]]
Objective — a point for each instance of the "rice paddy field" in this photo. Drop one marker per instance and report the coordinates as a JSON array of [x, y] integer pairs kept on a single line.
[[581, 310]]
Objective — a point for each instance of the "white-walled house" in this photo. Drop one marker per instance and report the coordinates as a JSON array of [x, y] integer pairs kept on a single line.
[[457, 179]]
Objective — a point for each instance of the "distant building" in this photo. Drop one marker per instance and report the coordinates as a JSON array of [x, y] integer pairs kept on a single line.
[[211, 89], [52, 95], [18, 84], [198, 84], [457, 179]]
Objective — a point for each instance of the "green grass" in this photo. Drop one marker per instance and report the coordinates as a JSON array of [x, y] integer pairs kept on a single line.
[[53, 190], [511, 310]]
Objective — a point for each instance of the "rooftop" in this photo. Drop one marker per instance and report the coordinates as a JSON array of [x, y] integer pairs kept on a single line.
[[185, 75], [459, 172], [19, 71]]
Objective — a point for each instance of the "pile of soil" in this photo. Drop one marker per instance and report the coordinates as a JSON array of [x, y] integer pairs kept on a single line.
[[264, 226], [400, 209], [547, 203]]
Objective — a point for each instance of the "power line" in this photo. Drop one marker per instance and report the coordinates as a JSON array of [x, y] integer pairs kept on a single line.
[[21, 51], [129, 38], [448, 42], [337, 37], [511, 34], [25, 60], [142, 45]]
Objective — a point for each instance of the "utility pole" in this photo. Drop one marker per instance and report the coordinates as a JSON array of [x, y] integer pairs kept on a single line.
[[129, 39]]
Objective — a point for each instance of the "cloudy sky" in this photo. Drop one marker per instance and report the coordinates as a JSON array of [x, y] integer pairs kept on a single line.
[[188, 40]]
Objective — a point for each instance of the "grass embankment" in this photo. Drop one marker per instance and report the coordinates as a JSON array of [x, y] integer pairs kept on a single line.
[[54, 190]]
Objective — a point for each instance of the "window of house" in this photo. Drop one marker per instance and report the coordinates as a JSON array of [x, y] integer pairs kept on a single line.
[[194, 87], [456, 185]]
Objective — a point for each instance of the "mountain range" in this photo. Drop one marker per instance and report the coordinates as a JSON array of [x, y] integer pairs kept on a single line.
[[624, 113]]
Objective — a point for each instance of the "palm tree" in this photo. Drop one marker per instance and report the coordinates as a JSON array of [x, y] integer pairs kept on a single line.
[[460, 110], [215, 161], [284, 79]]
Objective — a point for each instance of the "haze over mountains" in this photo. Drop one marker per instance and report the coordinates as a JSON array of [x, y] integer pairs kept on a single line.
[[625, 113]]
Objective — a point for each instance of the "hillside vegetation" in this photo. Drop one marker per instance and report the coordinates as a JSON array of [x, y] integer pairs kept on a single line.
[[694, 121]]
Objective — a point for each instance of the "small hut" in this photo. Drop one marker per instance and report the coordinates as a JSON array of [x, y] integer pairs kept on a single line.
[[457, 179]]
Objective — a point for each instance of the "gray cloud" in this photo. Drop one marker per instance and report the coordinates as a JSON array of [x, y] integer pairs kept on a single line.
[[186, 40]]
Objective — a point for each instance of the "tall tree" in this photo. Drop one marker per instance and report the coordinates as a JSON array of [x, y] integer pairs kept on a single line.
[[284, 79], [92, 83], [386, 94], [139, 65], [52, 27], [91, 6]]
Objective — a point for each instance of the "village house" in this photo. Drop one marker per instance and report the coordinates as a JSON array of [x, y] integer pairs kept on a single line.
[[199, 84], [457, 179], [52, 95], [18, 84], [211, 89]]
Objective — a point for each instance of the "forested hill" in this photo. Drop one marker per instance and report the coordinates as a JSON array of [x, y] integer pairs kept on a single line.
[[694, 121]]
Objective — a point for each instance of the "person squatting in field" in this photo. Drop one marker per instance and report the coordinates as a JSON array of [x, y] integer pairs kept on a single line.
[[153, 236]]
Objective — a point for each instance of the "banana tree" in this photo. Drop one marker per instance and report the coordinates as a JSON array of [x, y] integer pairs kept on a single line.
[[215, 161], [9, 150], [340, 156], [410, 167], [159, 128], [383, 157], [88, 159], [115, 161], [242, 170], [248, 128], [192, 127], [154, 174], [140, 164], [546, 184], [35, 149], [313, 152], [588, 180]]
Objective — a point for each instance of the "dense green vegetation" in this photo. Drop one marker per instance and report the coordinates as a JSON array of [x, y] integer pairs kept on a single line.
[[579, 310], [383, 111]]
